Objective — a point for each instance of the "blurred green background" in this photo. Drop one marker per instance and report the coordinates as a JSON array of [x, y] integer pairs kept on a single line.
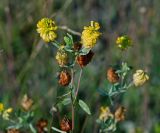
[[27, 65]]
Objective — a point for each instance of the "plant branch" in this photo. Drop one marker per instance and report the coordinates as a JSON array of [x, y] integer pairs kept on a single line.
[[69, 30]]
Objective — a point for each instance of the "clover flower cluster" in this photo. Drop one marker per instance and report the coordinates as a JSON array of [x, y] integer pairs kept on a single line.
[[5, 113], [70, 53], [117, 77]]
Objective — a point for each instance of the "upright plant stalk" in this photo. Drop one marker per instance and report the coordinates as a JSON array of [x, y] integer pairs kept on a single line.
[[79, 80], [76, 94]]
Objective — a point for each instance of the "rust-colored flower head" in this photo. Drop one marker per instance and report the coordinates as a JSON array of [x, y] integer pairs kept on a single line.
[[66, 125], [41, 125], [77, 46], [26, 103], [83, 60], [120, 114], [112, 76], [64, 78], [13, 130]]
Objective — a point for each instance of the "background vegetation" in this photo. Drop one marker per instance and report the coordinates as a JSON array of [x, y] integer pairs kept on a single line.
[[27, 65]]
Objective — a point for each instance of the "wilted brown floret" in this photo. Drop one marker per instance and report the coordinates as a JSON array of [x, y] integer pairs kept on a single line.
[[120, 113], [26, 103], [41, 125], [112, 76], [77, 46], [83, 60], [64, 78], [66, 124], [13, 130]]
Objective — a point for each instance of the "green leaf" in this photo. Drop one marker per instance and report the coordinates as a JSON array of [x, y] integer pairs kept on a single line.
[[85, 51], [32, 128], [66, 101], [70, 36], [59, 131], [68, 40], [84, 106]]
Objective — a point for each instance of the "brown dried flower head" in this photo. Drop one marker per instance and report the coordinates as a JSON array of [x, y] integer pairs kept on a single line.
[[41, 125], [13, 130], [64, 78], [26, 103], [120, 114], [66, 124], [77, 46], [83, 60], [112, 76]]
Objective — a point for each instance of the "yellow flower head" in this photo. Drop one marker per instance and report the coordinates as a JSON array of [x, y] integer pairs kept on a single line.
[[1, 107], [46, 28], [105, 113], [90, 35], [5, 113], [123, 42], [9, 110], [62, 57], [140, 77]]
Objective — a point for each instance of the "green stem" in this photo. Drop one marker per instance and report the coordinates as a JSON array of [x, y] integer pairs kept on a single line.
[[79, 80], [72, 81]]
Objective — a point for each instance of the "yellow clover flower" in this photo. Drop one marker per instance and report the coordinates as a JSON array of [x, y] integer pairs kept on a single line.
[[1, 107], [123, 42], [105, 113], [62, 57], [90, 35], [6, 113], [46, 27], [140, 77]]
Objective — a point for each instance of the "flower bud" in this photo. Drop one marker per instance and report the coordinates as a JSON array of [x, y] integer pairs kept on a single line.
[[140, 77], [64, 78], [66, 124], [62, 58], [112, 76], [41, 125], [120, 114], [83, 60], [26, 103], [123, 42]]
